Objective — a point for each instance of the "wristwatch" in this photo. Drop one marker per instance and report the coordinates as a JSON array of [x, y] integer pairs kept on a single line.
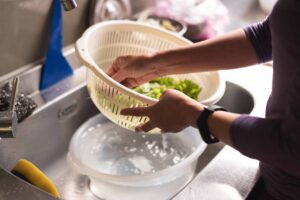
[[202, 123]]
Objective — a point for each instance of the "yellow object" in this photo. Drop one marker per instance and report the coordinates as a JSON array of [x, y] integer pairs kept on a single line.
[[35, 176]]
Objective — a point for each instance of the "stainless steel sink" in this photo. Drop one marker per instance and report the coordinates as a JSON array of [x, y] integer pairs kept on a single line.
[[43, 138]]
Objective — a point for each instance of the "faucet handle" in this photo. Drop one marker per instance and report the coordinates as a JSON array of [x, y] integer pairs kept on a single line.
[[8, 119], [8, 124], [14, 92]]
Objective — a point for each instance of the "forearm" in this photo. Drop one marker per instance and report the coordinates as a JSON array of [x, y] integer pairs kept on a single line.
[[264, 139], [219, 122], [231, 50], [258, 138]]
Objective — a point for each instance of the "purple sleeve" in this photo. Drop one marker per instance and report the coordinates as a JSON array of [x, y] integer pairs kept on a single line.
[[273, 141], [260, 36]]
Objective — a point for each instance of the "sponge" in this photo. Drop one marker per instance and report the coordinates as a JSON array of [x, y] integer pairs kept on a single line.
[[30, 173]]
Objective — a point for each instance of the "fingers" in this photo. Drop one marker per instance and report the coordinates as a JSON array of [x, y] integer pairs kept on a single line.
[[117, 68], [138, 111], [119, 76], [111, 71], [134, 82], [130, 82], [148, 126]]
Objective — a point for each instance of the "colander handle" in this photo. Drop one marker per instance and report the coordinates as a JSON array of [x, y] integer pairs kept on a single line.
[[85, 58], [82, 53]]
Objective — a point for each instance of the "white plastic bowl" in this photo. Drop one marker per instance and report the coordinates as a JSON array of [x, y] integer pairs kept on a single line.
[[97, 150]]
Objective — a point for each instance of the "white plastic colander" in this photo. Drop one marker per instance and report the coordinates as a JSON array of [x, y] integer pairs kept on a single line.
[[102, 43]]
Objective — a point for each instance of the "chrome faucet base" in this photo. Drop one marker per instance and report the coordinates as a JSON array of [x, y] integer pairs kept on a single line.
[[8, 119], [8, 124]]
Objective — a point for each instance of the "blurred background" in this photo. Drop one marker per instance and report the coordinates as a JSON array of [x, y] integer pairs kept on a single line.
[[25, 24]]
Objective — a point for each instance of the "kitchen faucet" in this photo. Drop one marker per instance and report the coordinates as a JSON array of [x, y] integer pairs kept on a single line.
[[8, 119], [68, 4]]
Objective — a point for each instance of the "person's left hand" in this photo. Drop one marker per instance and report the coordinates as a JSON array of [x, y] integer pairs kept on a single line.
[[172, 113]]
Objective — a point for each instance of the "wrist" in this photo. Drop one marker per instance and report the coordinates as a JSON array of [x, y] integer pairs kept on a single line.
[[195, 112], [205, 129], [160, 62]]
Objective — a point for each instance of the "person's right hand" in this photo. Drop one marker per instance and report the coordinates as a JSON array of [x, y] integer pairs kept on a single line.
[[172, 113], [132, 71]]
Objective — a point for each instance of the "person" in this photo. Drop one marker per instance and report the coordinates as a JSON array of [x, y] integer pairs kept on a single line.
[[273, 140]]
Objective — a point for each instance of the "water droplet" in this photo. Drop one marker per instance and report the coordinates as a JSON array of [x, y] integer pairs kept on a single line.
[[91, 129]]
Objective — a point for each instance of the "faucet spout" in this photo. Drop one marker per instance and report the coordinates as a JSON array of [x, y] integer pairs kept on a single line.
[[68, 4]]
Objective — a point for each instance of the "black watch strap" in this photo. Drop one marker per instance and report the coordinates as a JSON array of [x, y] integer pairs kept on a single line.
[[202, 123]]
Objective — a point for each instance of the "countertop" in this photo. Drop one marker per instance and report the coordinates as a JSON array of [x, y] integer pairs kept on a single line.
[[231, 175]]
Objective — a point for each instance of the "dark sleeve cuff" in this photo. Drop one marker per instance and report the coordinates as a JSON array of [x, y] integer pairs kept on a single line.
[[236, 131], [260, 37], [247, 135], [256, 137], [265, 140]]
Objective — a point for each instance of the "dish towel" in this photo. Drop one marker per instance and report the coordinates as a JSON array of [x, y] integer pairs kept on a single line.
[[229, 176], [56, 66]]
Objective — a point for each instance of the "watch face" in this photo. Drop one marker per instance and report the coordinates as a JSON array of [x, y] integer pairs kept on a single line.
[[216, 107]]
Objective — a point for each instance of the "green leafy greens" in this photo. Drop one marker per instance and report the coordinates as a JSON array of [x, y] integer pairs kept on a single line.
[[156, 87]]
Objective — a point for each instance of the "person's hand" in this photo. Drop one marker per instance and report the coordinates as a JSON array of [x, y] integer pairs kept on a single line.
[[172, 113], [132, 71]]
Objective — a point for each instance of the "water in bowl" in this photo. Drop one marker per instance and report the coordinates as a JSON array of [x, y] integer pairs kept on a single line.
[[116, 151]]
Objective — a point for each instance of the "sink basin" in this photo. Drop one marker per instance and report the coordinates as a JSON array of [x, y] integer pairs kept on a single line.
[[44, 137]]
